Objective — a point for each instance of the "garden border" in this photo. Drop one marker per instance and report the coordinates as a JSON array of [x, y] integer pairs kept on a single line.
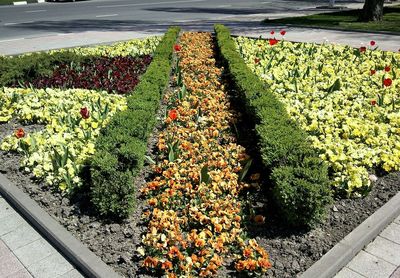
[[70, 247], [344, 251]]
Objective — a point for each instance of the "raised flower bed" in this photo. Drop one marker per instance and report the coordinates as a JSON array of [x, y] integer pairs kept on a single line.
[[185, 198]]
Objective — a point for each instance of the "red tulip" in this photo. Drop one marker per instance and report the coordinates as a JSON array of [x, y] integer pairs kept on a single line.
[[257, 60], [272, 32], [283, 32], [372, 43], [173, 114], [387, 82], [387, 68], [373, 102], [20, 133], [273, 41], [177, 47], [85, 113], [363, 49], [373, 72]]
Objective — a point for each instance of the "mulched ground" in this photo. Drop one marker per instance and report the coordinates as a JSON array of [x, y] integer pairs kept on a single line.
[[292, 251]]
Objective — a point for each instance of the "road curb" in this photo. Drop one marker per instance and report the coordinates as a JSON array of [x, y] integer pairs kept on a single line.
[[18, 3], [72, 249], [344, 251]]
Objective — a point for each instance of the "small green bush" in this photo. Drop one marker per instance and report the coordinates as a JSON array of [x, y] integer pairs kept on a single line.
[[301, 188], [121, 146]]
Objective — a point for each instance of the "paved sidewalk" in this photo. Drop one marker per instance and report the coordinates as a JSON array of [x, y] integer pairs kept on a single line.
[[379, 259], [24, 253]]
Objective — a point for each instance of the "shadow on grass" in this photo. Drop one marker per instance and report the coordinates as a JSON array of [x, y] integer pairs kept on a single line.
[[345, 20]]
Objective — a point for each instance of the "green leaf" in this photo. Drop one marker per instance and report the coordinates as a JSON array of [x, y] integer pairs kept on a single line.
[[245, 169], [149, 160], [204, 176], [334, 87]]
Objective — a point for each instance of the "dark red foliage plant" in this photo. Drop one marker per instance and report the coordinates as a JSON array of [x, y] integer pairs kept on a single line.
[[113, 74]]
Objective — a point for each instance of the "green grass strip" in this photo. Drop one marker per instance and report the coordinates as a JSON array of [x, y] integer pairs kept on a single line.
[[346, 20], [121, 147], [301, 187]]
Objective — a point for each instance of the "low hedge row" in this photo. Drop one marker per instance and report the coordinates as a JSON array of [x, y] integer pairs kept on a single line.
[[121, 146], [301, 187], [29, 67]]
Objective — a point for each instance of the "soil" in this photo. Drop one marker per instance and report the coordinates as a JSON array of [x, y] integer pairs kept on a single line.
[[291, 250]]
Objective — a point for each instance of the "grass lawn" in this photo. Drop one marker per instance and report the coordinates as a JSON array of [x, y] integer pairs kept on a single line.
[[6, 2], [346, 20]]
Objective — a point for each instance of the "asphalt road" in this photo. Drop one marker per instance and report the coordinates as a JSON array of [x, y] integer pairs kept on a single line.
[[45, 19]]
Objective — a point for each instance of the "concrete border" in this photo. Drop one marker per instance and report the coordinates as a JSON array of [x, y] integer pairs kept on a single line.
[[72, 249], [344, 251]]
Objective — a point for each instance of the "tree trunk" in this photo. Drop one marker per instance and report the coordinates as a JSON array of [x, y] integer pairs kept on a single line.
[[372, 10]]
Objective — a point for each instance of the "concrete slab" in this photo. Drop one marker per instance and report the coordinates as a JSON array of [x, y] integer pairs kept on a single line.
[[23, 273], [348, 273], [5, 209], [52, 266], [371, 266], [9, 264], [396, 273], [21, 236], [10, 223], [385, 249], [397, 220], [34, 252], [392, 232], [72, 274], [4, 250]]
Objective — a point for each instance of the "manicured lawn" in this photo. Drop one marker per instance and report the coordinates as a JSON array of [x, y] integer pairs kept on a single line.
[[346, 20], [6, 2]]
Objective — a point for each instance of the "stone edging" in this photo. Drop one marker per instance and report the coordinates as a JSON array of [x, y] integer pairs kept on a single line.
[[79, 255], [18, 3], [344, 251]]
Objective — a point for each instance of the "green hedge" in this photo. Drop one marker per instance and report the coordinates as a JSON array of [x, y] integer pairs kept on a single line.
[[301, 187], [34, 65], [121, 146]]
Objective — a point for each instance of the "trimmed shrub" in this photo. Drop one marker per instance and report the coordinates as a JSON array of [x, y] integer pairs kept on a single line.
[[301, 188], [121, 146]]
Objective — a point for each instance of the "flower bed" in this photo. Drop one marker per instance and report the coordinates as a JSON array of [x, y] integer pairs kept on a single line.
[[16, 70], [116, 74], [196, 215], [72, 120], [346, 100]]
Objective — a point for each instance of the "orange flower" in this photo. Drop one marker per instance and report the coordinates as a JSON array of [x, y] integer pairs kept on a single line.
[[247, 252], [173, 252], [153, 202], [166, 265], [264, 263], [150, 262], [240, 265], [200, 242], [251, 265], [173, 114], [259, 219], [20, 133], [218, 228]]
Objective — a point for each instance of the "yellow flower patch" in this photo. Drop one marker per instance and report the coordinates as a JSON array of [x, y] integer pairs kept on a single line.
[[346, 99], [57, 153]]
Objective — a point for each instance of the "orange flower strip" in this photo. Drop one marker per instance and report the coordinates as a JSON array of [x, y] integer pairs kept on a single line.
[[195, 213]]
